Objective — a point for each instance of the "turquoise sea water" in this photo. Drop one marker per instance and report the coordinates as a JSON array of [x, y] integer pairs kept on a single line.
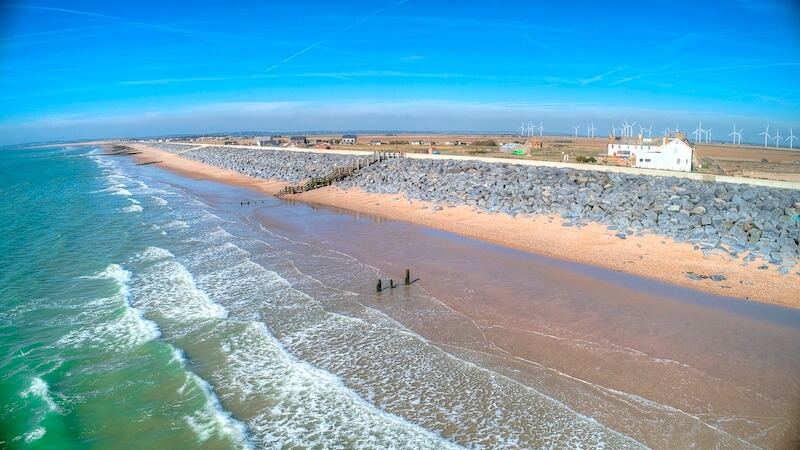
[[135, 316], [140, 309], [82, 367]]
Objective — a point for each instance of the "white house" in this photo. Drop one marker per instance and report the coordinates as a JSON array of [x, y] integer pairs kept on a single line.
[[668, 153], [673, 155], [349, 139]]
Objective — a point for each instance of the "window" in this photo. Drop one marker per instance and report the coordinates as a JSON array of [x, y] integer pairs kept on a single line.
[[679, 161]]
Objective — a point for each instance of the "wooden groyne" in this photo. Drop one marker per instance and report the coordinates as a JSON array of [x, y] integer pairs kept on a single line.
[[406, 282], [340, 173], [122, 150]]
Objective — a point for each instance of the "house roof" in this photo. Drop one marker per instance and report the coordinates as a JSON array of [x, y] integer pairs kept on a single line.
[[348, 136]]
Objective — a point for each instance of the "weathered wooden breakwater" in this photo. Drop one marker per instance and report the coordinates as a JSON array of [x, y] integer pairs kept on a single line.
[[406, 282], [754, 223], [339, 173]]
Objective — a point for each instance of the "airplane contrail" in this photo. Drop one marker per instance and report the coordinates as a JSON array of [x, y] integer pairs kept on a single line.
[[69, 11], [332, 36], [117, 19]]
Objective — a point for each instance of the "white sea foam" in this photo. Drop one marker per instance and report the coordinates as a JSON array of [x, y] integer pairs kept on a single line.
[[132, 209], [311, 407], [168, 287], [35, 435], [178, 356], [123, 330], [40, 389], [175, 225], [108, 189], [159, 201], [121, 191], [154, 254], [140, 185], [212, 420]]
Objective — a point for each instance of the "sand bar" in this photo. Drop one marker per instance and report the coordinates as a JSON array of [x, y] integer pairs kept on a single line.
[[650, 256]]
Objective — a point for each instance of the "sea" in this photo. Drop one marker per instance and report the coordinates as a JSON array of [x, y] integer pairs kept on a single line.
[[144, 309]]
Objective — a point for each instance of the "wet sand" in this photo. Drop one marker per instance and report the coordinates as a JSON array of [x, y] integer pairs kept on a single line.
[[641, 355], [699, 360], [649, 256]]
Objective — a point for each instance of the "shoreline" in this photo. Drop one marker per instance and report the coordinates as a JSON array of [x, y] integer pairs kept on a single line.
[[649, 256]]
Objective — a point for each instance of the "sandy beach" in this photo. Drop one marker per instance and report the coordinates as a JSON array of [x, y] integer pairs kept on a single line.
[[650, 256]]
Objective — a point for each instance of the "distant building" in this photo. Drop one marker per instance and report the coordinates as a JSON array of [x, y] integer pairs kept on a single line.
[[266, 142], [298, 141], [349, 139], [668, 153]]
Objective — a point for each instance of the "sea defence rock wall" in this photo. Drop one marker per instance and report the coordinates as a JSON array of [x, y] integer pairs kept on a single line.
[[285, 165], [756, 223]]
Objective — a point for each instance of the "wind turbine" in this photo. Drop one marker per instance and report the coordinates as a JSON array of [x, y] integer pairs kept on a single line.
[[649, 131], [627, 128], [576, 129], [540, 129], [593, 129], [667, 131], [614, 130], [708, 135], [530, 129], [777, 138], [698, 132], [791, 138], [522, 129], [734, 134], [766, 135]]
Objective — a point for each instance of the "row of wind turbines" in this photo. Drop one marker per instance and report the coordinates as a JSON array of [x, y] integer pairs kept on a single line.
[[777, 137], [529, 129], [700, 134], [627, 129]]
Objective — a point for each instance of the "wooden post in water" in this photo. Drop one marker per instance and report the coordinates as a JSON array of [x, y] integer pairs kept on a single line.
[[391, 284], [378, 287], [408, 277]]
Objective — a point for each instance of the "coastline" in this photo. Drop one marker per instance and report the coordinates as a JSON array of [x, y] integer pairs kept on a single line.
[[650, 256]]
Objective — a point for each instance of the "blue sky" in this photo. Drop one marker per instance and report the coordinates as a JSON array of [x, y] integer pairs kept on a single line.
[[86, 69]]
